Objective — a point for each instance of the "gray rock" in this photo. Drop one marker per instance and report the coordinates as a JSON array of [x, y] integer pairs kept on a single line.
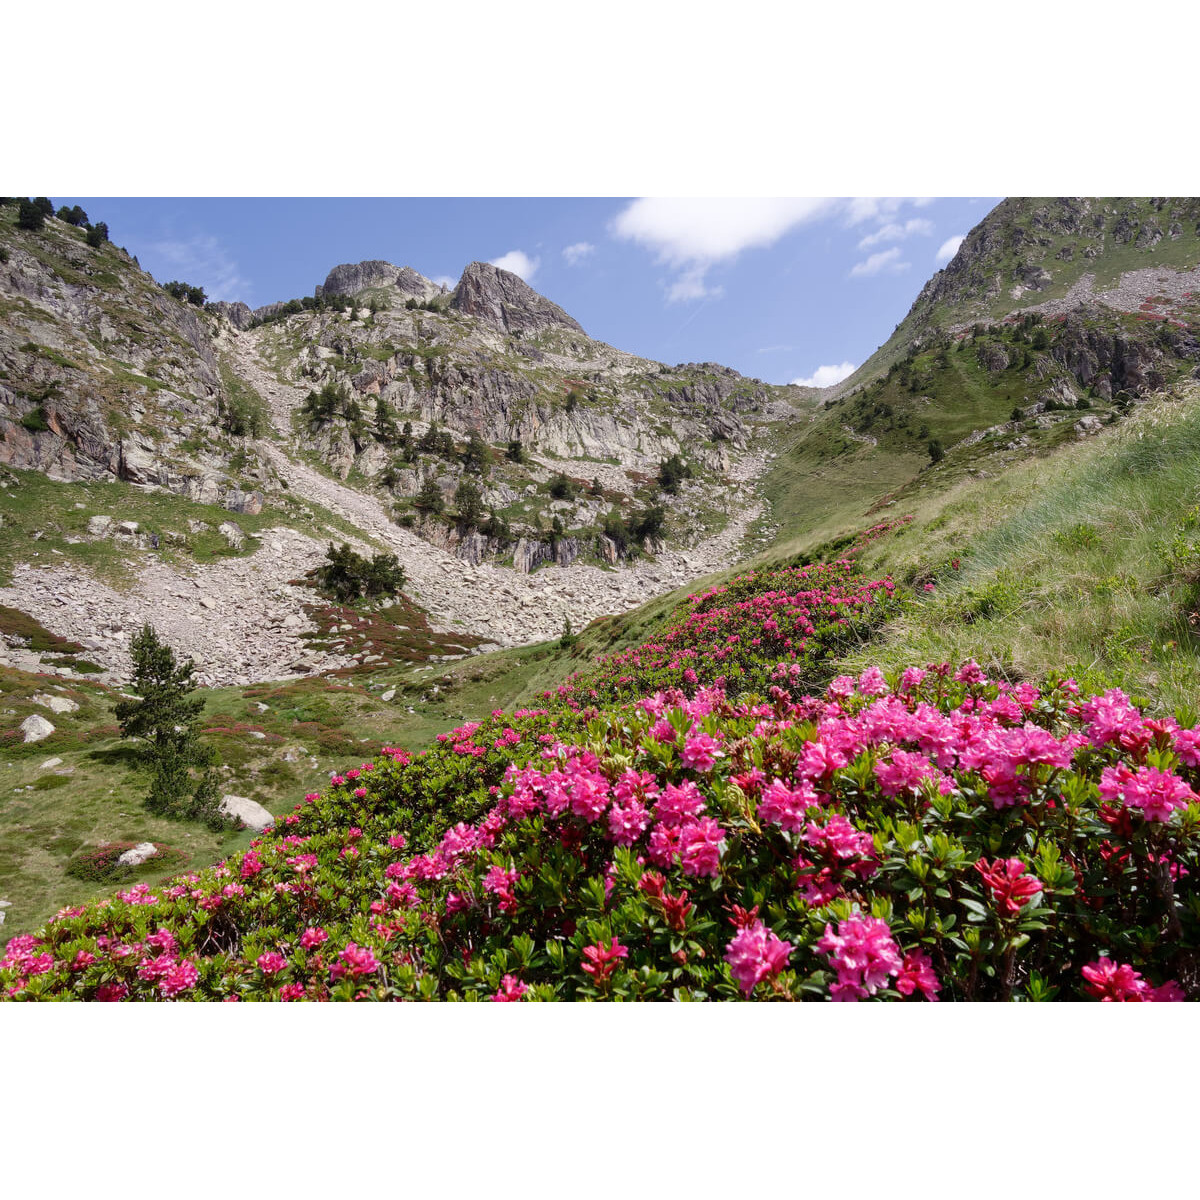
[[239, 315], [248, 811], [35, 728], [506, 301], [388, 696], [1088, 425], [56, 704], [232, 534], [50, 762], [99, 526], [138, 855], [349, 279]]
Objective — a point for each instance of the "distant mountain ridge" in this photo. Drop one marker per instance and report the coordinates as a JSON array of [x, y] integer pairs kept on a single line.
[[1052, 254]]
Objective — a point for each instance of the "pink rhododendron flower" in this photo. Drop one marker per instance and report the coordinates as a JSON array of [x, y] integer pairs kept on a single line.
[[626, 825], [700, 846], [679, 803], [511, 989], [354, 961], [1011, 889], [183, 978], [1109, 981], [916, 973], [1157, 793], [312, 937], [271, 963], [863, 954], [784, 806], [602, 960], [755, 954], [700, 752], [903, 773]]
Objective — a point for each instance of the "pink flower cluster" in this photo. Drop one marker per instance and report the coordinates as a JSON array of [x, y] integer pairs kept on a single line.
[[755, 954], [863, 954], [1110, 981]]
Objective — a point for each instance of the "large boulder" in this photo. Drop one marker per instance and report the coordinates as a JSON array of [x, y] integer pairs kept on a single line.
[[35, 728], [56, 704], [138, 855], [249, 812]]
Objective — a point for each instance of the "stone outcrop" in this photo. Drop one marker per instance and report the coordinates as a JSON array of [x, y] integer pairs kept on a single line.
[[507, 302], [349, 279], [136, 855], [36, 728], [249, 812], [239, 315]]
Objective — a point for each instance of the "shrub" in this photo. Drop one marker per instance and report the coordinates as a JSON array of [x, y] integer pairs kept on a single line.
[[671, 473], [35, 420], [347, 576], [562, 488], [187, 293], [515, 452], [73, 215], [429, 498], [101, 865], [97, 235], [936, 451], [30, 216], [706, 816], [468, 501], [476, 457]]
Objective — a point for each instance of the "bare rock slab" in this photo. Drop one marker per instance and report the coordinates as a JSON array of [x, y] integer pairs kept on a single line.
[[249, 812], [138, 854], [35, 728]]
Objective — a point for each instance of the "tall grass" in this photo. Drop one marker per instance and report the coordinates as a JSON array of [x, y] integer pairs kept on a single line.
[[1087, 562]]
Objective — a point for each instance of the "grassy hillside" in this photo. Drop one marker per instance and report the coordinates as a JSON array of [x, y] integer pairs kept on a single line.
[[1092, 566], [1030, 250]]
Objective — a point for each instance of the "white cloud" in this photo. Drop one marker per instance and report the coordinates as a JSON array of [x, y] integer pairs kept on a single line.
[[691, 286], [200, 260], [519, 263], [894, 232], [702, 230], [827, 376], [949, 248], [885, 260], [576, 253], [692, 234], [445, 281]]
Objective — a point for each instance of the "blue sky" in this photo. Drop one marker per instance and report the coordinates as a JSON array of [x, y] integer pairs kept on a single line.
[[785, 290]]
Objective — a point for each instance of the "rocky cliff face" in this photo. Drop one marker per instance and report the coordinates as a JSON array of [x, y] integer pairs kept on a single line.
[[351, 278], [102, 373], [1053, 256], [507, 302]]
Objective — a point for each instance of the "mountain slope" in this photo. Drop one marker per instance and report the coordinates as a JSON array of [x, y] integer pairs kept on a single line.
[[1052, 255]]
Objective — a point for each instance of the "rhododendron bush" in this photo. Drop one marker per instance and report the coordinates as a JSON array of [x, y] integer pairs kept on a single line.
[[925, 836]]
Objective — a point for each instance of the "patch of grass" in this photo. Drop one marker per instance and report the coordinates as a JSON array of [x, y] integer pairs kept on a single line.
[[1063, 564]]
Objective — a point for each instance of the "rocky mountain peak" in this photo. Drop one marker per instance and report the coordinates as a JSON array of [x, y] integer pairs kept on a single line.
[[506, 301], [349, 279]]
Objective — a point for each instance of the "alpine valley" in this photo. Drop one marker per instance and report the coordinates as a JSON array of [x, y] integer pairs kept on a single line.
[[526, 667]]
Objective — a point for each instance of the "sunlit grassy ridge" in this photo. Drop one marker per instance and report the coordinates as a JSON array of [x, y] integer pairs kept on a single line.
[[1088, 562]]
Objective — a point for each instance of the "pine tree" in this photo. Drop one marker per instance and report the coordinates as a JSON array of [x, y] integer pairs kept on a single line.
[[469, 502], [476, 456], [164, 717], [429, 498], [30, 216]]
